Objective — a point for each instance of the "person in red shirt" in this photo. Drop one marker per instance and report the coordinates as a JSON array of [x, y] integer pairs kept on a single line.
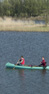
[[43, 62], [21, 61]]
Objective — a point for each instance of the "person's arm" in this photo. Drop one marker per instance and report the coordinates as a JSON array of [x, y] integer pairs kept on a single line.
[[21, 60], [41, 62]]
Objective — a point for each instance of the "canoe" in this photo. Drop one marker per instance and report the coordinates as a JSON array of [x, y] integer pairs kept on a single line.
[[10, 65]]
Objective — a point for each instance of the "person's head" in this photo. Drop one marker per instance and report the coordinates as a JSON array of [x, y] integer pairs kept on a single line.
[[21, 56], [42, 58]]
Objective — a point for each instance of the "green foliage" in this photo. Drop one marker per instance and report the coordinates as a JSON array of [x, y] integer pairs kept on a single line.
[[24, 8], [1, 9]]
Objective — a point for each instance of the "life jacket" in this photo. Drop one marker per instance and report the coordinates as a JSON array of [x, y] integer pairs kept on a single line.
[[23, 62]]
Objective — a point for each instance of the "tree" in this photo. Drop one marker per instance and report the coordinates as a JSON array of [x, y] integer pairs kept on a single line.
[[6, 8], [25, 8]]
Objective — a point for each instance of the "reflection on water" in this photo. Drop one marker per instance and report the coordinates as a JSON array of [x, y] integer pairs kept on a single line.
[[44, 72], [21, 73]]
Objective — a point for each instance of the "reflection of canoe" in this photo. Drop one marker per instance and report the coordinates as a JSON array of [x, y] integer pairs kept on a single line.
[[10, 65]]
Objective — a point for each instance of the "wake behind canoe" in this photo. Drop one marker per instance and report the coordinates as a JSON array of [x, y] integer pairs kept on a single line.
[[10, 65]]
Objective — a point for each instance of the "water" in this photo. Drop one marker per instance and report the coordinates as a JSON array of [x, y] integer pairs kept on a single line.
[[39, 22], [32, 45]]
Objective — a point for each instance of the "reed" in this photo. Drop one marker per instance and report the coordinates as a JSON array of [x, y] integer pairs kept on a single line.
[[9, 24]]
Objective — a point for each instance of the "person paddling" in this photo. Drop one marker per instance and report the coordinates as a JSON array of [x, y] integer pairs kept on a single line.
[[21, 61], [43, 62]]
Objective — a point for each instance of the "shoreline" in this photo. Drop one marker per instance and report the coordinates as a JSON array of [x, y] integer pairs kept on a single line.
[[9, 24]]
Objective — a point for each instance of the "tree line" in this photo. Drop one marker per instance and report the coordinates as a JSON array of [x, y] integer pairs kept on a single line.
[[24, 8]]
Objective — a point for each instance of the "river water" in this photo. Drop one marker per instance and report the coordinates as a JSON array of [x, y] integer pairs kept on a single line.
[[32, 45]]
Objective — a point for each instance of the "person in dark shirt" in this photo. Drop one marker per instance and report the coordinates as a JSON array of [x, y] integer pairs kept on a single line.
[[43, 62]]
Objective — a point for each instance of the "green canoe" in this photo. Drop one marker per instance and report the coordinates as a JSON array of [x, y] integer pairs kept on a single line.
[[10, 65]]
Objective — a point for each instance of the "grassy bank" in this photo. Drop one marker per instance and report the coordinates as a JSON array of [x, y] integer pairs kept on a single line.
[[10, 24]]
